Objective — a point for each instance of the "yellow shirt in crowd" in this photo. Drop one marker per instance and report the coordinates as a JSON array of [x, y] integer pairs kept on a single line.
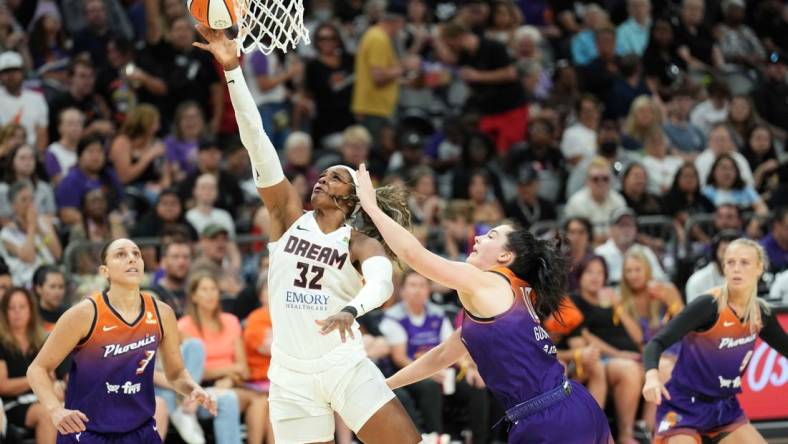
[[375, 50]]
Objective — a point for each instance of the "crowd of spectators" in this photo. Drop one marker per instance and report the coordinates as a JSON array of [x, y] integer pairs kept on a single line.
[[647, 133]]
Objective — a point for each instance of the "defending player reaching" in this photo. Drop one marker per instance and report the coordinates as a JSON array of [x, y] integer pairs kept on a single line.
[[114, 337], [717, 333], [509, 283], [314, 282]]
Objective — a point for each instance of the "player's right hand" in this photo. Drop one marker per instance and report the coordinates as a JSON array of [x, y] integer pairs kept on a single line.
[[69, 421], [365, 191], [653, 389], [223, 49]]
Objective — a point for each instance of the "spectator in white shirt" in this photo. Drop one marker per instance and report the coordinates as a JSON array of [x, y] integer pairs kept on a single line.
[[713, 110], [721, 142], [623, 232], [597, 200], [661, 166], [710, 276], [20, 105], [204, 212], [579, 140]]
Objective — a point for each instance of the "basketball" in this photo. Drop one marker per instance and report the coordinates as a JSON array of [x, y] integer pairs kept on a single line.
[[216, 14]]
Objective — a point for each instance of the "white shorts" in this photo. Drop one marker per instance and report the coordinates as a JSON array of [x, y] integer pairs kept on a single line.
[[302, 405]]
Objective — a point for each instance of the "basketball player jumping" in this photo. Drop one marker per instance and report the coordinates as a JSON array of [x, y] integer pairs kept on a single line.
[[509, 283], [114, 337], [323, 274]]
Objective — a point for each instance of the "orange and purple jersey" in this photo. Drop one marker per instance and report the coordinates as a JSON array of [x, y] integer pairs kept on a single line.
[[711, 362], [111, 376]]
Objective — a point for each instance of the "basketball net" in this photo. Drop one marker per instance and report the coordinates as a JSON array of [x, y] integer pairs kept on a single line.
[[267, 25]]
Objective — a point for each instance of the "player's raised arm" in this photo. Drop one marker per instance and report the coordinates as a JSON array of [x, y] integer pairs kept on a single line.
[[277, 192]]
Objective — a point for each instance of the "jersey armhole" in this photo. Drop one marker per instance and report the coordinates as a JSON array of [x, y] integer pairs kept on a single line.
[[158, 315], [92, 324]]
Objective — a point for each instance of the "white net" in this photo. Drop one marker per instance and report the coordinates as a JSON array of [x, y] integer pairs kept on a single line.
[[267, 25]]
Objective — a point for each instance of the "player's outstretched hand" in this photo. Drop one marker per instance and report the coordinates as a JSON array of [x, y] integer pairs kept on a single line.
[[223, 49], [342, 321], [365, 191], [205, 399], [653, 389], [69, 421]]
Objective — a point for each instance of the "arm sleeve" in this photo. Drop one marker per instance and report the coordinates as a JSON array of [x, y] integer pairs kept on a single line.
[[377, 289], [701, 314], [773, 334], [267, 168]]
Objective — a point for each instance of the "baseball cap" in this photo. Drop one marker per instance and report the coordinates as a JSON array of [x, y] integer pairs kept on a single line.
[[213, 229], [618, 213], [10, 60]]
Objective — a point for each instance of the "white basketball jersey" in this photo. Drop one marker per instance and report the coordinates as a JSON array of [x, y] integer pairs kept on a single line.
[[310, 277]]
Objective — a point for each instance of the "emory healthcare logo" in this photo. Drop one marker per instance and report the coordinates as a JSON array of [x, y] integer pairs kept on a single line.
[[297, 300]]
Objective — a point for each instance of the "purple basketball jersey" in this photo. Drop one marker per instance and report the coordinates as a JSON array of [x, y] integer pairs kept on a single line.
[[514, 354], [111, 377]]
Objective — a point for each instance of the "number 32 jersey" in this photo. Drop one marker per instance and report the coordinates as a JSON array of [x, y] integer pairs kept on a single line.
[[310, 278], [111, 376]]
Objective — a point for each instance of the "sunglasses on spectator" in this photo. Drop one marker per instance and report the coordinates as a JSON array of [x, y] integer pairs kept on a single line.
[[600, 179]]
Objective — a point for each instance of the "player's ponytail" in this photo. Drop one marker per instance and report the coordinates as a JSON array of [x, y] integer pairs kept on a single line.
[[393, 200], [542, 264]]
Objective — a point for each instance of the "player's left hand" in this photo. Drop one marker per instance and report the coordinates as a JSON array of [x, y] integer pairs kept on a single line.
[[342, 321], [205, 399], [365, 190]]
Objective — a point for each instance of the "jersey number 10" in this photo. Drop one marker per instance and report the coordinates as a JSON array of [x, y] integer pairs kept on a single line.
[[302, 281]]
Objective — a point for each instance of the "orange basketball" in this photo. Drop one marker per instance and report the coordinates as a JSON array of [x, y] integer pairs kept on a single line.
[[216, 14]]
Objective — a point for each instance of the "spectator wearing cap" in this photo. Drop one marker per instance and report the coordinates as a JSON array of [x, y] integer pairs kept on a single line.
[[215, 256], [632, 35], [597, 200], [775, 243], [496, 94], [209, 160], [181, 146], [21, 105], [542, 152], [771, 95], [528, 208], [378, 71], [29, 240], [710, 276], [90, 172], [82, 95], [409, 156], [61, 155], [623, 235]]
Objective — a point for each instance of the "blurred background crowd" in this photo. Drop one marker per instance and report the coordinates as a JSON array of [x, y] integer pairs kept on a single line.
[[647, 133]]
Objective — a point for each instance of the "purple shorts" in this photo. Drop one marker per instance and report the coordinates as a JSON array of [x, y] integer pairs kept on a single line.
[[144, 434], [686, 414], [575, 420]]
